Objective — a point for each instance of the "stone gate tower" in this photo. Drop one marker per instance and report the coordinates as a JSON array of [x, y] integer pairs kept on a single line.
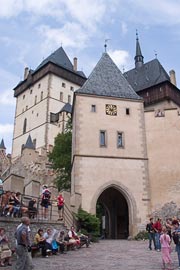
[[109, 150]]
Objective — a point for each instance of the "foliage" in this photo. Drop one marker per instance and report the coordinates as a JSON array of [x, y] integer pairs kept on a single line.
[[142, 235], [61, 157], [88, 223]]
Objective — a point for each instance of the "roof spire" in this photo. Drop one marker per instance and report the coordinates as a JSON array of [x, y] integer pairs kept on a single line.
[[29, 144], [2, 146], [138, 58]]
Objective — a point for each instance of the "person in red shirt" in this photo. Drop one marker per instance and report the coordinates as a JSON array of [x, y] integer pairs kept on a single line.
[[158, 229], [60, 204]]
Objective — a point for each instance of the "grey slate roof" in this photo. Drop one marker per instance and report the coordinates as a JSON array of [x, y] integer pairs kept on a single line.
[[60, 58], [107, 80], [2, 146], [149, 74], [66, 108], [29, 144]]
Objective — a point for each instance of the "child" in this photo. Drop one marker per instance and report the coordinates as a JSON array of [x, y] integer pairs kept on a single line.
[[165, 248]]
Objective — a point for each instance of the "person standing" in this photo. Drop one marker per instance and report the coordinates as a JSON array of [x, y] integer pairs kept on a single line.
[[23, 243], [176, 234], [151, 233], [158, 228], [165, 241], [60, 204], [45, 202]]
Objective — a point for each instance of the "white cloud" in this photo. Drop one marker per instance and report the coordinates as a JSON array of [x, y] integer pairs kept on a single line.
[[124, 28], [7, 98], [5, 129], [70, 35], [121, 58]]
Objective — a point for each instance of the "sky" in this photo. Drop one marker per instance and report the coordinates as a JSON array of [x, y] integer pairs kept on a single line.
[[31, 30]]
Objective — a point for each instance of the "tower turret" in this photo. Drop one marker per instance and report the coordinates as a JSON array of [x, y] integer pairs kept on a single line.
[[138, 58]]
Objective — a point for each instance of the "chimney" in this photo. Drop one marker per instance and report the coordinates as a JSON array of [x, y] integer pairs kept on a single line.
[[172, 77], [26, 72], [75, 64]]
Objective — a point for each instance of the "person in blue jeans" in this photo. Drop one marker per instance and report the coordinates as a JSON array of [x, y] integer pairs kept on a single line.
[[151, 233], [176, 226], [158, 228]]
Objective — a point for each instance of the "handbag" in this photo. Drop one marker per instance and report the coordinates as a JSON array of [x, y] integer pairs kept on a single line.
[[54, 244]]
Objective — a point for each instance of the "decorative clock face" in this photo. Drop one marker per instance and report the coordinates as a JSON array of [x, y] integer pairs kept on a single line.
[[111, 109]]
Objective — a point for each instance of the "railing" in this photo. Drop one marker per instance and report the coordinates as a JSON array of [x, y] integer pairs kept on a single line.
[[52, 213]]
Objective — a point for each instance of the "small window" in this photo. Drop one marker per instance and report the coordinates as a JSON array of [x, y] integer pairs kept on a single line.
[[119, 139], [35, 100], [93, 108], [63, 85], [34, 143], [61, 96], [69, 98], [39, 85], [37, 114], [72, 88], [102, 138], [41, 95], [23, 96], [31, 91], [127, 111], [24, 125], [26, 108]]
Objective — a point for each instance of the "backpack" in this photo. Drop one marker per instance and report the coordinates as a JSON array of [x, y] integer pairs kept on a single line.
[[46, 195], [176, 238]]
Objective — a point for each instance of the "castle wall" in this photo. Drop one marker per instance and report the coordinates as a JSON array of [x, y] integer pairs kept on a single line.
[[163, 145]]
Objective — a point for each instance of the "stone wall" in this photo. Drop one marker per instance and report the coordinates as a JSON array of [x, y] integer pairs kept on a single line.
[[10, 227]]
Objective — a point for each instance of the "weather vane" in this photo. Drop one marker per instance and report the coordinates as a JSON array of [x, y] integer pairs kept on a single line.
[[105, 44], [155, 52]]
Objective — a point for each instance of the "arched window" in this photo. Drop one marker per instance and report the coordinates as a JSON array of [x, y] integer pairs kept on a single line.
[[24, 125]]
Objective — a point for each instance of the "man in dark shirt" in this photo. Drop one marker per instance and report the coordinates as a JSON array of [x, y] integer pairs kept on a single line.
[[151, 234], [23, 242]]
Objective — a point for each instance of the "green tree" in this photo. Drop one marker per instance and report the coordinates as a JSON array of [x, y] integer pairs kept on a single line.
[[61, 157]]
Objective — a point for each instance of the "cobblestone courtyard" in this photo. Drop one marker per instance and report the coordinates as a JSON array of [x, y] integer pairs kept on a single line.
[[106, 255]]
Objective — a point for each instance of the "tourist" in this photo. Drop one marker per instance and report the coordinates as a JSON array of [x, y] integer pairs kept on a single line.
[[48, 236], [45, 202], [40, 242], [32, 210], [5, 253], [60, 204], [23, 243], [165, 241], [61, 241], [158, 228], [73, 237], [176, 233], [151, 233]]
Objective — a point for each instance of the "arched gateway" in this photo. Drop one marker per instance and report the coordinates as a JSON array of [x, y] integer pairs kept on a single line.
[[112, 208]]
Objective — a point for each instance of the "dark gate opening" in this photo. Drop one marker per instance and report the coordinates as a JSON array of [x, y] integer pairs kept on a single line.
[[112, 209]]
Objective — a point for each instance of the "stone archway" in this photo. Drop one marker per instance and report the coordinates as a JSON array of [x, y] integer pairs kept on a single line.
[[115, 214]]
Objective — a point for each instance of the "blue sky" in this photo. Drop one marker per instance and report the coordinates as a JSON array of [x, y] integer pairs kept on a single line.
[[31, 30]]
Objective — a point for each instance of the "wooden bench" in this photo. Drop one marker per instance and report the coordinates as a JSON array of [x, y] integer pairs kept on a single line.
[[34, 250]]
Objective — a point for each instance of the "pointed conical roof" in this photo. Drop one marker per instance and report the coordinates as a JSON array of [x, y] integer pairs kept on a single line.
[[59, 57], [2, 146], [29, 144], [66, 108], [139, 57], [107, 80]]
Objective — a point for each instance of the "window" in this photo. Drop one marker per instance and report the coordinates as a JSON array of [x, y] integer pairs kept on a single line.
[[24, 125], [72, 88], [39, 85], [63, 85], [35, 100], [127, 111], [26, 108], [102, 138], [93, 108], [42, 95], [119, 139], [34, 143], [31, 91], [23, 96], [61, 96], [69, 98]]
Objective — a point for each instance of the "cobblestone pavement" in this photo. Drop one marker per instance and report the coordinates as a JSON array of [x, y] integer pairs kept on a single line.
[[106, 255]]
